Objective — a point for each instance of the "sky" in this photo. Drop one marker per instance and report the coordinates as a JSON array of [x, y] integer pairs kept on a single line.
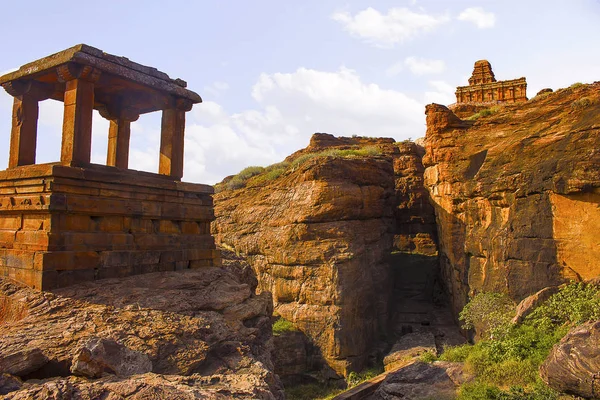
[[273, 72]]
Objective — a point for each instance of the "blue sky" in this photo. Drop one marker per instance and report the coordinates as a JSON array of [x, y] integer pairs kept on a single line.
[[271, 73]]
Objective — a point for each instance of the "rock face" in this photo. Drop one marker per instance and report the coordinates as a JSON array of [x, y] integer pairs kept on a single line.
[[318, 237], [573, 365], [419, 380], [516, 193], [191, 329]]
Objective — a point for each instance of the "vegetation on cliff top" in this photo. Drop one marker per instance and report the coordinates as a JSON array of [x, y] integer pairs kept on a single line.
[[257, 175], [506, 362]]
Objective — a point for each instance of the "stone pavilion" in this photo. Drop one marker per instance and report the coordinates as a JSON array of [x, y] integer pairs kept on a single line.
[[73, 221]]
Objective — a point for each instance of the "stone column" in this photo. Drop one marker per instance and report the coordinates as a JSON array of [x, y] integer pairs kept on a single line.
[[79, 104], [119, 133], [172, 138], [23, 135], [118, 143]]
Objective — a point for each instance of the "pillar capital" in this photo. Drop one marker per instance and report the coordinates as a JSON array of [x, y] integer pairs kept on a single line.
[[114, 112], [72, 71], [37, 91]]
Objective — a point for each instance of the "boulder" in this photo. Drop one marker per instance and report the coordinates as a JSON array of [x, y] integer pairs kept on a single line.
[[21, 361], [408, 347], [439, 380], [98, 356], [573, 365], [528, 304]]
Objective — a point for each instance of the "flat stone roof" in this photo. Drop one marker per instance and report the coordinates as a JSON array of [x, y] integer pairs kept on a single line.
[[118, 67]]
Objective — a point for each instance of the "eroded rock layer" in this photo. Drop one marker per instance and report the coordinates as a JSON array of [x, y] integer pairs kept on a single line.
[[516, 193], [177, 335], [319, 237]]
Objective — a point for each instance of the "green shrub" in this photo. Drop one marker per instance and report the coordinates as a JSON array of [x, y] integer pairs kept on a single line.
[[283, 325], [572, 305], [456, 353], [506, 365], [576, 85], [428, 357], [482, 391], [489, 313]]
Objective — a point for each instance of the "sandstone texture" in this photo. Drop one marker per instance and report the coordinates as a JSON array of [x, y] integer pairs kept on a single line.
[[439, 380], [180, 335], [409, 347], [573, 365], [319, 235], [516, 194]]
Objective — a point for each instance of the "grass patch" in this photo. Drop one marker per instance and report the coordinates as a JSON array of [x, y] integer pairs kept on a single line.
[[257, 174], [312, 391], [315, 391], [283, 325], [486, 112], [356, 378], [581, 103]]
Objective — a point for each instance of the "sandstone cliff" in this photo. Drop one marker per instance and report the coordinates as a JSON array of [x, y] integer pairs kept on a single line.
[[177, 335], [320, 233], [516, 193]]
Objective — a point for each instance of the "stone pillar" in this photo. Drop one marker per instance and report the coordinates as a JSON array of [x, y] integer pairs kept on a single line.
[[172, 138], [79, 104], [23, 135], [120, 118], [118, 143]]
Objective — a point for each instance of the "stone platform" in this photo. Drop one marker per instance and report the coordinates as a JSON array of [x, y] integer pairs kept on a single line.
[[61, 225]]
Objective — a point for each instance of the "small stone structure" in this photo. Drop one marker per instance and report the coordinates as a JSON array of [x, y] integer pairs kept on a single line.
[[71, 221], [484, 88]]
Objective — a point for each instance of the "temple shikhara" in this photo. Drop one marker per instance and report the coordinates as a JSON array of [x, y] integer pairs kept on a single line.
[[72, 221], [484, 88]]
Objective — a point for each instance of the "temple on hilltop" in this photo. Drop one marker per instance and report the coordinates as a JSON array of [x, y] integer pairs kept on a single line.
[[72, 221], [484, 88]]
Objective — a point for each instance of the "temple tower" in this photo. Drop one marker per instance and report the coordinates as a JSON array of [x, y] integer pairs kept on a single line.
[[72, 221], [485, 89]]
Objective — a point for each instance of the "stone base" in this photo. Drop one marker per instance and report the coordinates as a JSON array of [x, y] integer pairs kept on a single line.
[[63, 225]]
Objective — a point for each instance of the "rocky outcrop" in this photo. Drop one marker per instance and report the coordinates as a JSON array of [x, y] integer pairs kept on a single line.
[[409, 347], [573, 365], [199, 332], [419, 380], [516, 193], [318, 237]]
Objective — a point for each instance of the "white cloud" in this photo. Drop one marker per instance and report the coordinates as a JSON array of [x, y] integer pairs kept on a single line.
[[290, 108], [399, 25], [421, 66], [442, 93], [479, 17]]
